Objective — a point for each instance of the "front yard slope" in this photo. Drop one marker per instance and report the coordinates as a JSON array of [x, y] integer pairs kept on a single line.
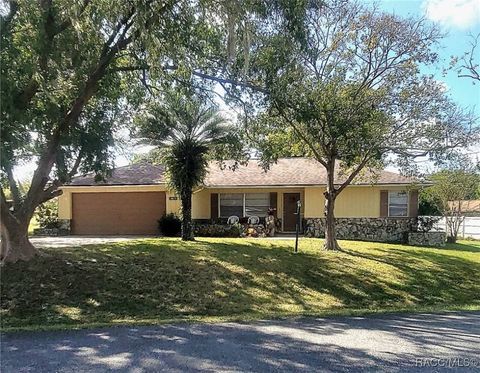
[[155, 280]]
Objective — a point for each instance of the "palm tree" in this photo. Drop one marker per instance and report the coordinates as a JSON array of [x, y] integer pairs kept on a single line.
[[187, 131]]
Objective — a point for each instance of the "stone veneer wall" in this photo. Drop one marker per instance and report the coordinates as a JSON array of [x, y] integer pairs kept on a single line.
[[364, 229], [427, 238]]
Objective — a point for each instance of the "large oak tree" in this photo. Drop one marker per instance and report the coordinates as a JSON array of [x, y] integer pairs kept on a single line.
[[352, 91], [70, 67]]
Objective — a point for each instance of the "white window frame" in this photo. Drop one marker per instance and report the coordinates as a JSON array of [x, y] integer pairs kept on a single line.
[[408, 202]]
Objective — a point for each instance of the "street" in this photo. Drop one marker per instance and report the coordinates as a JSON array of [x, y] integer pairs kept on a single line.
[[418, 342]]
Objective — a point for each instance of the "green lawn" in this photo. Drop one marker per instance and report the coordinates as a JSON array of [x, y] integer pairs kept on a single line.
[[160, 280], [33, 225]]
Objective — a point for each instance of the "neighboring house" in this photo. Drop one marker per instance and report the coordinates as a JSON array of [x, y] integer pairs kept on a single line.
[[133, 198], [466, 207]]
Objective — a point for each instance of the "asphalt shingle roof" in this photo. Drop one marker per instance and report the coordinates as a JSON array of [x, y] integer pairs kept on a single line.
[[287, 171], [134, 174]]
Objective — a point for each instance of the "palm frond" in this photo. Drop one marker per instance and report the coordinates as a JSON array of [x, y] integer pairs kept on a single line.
[[186, 129]]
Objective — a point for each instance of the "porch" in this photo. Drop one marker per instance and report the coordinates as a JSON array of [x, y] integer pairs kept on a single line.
[[253, 202]]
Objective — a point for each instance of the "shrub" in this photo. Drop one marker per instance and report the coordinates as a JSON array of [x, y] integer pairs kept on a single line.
[[170, 225], [217, 230], [427, 223], [47, 215]]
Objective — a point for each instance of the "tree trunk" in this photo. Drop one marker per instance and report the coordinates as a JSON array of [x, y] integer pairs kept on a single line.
[[15, 243], [187, 228], [452, 225], [330, 231], [451, 239], [330, 195]]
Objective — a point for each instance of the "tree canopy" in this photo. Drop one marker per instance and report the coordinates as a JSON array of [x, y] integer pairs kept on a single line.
[[452, 186], [70, 69], [352, 90]]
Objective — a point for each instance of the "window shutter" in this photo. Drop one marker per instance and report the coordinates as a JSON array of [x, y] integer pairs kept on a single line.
[[413, 204], [214, 205], [273, 202], [384, 203]]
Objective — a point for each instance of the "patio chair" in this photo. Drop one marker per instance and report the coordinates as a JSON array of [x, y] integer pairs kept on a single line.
[[253, 220], [233, 220]]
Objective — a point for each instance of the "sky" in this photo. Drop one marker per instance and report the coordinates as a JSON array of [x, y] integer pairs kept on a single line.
[[458, 19]]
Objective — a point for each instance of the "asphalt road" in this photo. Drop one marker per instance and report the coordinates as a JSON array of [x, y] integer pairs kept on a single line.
[[395, 343]]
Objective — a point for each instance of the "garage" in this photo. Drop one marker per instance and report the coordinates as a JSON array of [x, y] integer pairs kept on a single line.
[[117, 213]]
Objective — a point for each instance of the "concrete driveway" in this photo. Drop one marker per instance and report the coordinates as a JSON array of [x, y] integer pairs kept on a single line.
[[395, 343], [69, 241]]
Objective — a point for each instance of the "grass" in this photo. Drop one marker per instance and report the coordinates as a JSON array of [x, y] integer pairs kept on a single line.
[[165, 280], [33, 225]]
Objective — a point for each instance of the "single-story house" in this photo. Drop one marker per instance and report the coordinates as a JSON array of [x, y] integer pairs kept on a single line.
[[466, 207], [134, 197]]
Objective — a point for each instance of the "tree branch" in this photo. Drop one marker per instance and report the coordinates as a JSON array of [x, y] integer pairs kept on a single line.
[[67, 23], [12, 183], [45, 164], [353, 174], [76, 165], [469, 65], [5, 213], [24, 97], [51, 192], [230, 81], [198, 74], [304, 138]]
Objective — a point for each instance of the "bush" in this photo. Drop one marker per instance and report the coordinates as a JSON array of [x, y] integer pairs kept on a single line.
[[427, 223], [170, 225], [217, 230], [47, 215]]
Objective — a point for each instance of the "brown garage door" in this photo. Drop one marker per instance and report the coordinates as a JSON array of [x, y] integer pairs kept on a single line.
[[117, 213]]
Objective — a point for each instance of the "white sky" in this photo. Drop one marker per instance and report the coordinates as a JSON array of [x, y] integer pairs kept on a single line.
[[462, 14]]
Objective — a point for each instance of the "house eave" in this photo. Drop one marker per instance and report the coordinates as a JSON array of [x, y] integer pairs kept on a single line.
[[246, 186], [307, 185]]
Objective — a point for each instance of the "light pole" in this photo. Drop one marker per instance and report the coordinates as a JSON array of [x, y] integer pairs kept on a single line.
[[297, 226]]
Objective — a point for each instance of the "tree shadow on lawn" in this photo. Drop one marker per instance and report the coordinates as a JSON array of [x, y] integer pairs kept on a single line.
[[472, 247], [163, 279], [431, 276]]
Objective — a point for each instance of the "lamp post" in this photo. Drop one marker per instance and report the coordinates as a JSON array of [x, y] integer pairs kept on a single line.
[[297, 226]]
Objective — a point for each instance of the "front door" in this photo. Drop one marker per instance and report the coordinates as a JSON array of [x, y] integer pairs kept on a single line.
[[289, 211]]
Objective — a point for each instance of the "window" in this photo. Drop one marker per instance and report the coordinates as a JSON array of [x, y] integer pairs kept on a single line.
[[257, 204], [244, 204], [398, 203], [231, 204]]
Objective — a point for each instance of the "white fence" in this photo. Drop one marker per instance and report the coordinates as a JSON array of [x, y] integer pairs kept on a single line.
[[470, 227]]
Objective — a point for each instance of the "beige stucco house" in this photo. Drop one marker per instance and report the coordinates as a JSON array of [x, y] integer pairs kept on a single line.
[[134, 197]]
